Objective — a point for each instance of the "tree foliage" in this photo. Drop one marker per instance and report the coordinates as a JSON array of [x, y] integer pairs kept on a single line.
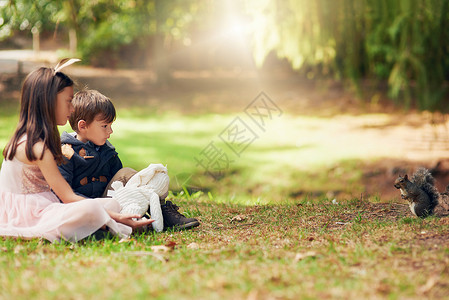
[[404, 42], [103, 27]]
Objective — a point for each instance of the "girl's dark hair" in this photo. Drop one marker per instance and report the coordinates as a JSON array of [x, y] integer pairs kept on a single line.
[[37, 117], [91, 104]]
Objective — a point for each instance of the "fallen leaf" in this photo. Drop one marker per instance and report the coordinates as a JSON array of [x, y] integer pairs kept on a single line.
[[383, 288], [301, 256], [171, 244], [429, 285], [253, 295], [238, 218], [18, 248], [139, 253], [147, 253], [125, 240], [193, 246], [161, 248]]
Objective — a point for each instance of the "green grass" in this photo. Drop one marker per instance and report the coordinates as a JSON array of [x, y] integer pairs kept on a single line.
[[269, 229], [292, 251], [8, 119]]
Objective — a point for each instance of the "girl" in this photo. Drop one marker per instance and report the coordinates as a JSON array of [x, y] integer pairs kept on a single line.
[[28, 207]]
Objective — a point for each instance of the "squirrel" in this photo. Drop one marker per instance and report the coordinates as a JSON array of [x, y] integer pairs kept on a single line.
[[420, 192]]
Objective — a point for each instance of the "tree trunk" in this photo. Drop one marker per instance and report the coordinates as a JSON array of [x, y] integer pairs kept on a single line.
[[36, 41], [160, 51], [73, 41]]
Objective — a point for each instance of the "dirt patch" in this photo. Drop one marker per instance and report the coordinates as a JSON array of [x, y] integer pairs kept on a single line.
[[378, 178], [383, 211], [424, 238]]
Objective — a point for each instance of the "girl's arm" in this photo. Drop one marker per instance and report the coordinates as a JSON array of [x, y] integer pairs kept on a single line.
[[53, 176], [59, 185], [129, 219]]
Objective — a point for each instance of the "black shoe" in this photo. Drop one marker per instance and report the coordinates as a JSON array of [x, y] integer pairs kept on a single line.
[[173, 219]]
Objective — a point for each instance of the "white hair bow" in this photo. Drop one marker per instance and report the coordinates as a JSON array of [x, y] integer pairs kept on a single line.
[[65, 63]]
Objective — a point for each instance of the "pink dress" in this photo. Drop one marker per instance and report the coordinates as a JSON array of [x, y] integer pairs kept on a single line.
[[29, 209]]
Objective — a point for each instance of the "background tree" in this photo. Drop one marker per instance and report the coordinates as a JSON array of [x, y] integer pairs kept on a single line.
[[403, 43]]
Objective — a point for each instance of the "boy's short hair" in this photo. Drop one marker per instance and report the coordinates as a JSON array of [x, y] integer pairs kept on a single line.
[[88, 105]]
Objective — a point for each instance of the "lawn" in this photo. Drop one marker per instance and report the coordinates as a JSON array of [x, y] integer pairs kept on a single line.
[[287, 216], [301, 250]]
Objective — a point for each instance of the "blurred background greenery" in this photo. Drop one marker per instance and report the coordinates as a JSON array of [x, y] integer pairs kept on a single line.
[[399, 45], [180, 72]]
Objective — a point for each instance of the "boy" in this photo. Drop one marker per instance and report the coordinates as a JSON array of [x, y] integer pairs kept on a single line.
[[91, 162]]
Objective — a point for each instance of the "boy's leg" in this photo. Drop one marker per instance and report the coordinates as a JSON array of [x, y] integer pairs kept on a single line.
[[172, 218], [123, 175]]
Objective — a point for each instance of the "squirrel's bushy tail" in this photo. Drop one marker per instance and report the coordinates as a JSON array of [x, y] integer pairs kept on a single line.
[[424, 180]]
